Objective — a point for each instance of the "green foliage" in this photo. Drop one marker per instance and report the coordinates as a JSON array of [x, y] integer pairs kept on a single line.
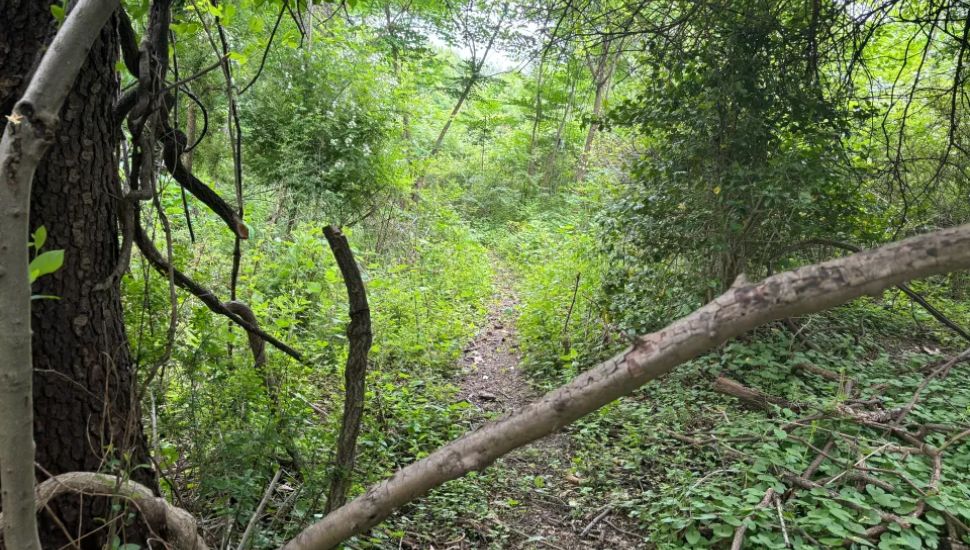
[[744, 155], [323, 136], [731, 139], [561, 276], [427, 285], [690, 496], [43, 263]]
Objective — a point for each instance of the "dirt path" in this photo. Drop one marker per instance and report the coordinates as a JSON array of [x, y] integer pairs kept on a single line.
[[538, 511]]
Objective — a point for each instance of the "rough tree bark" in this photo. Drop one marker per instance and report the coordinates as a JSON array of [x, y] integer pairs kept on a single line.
[[805, 290], [83, 379], [359, 337]]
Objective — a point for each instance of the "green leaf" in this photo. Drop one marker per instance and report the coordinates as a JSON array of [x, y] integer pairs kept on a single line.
[[935, 518], [239, 57], [47, 262], [40, 236], [58, 12], [693, 536], [185, 28]]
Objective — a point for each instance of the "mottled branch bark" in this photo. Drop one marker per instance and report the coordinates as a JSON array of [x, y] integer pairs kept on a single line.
[[359, 337], [805, 290], [913, 295], [28, 133]]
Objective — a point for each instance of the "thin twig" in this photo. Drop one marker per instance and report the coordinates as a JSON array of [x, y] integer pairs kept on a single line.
[[259, 510], [781, 520], [606, 511]]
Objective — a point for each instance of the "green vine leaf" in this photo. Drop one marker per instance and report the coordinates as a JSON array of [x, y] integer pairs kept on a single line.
[[46, 263]]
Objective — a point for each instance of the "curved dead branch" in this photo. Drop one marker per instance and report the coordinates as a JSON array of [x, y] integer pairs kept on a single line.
[[174, 145], [359, 337], [162, 516]]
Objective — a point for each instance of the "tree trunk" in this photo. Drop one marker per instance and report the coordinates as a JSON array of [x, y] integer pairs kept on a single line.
[[602, 76], [359, 338], [396, 65], [537, 117], [86, 418], [552, 158], [476, 66], [454, 113]]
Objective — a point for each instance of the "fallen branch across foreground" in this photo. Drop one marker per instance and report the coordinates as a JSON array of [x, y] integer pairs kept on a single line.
[[178, 525], [805, 290]]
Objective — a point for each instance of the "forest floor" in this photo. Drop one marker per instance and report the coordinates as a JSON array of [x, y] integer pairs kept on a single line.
[[535, 504]]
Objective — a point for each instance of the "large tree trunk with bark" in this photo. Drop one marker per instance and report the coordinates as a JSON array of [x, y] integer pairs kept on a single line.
[[86, 416]]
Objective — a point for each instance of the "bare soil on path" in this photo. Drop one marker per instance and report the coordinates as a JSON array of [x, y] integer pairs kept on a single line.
[[538, 507]]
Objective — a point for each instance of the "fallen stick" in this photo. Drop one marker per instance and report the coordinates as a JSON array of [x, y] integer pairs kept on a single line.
[[738, 540], [259, 510], [753, 398], [606, 511]]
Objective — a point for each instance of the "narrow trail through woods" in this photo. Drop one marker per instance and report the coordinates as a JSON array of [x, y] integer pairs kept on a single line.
[[535, 502]]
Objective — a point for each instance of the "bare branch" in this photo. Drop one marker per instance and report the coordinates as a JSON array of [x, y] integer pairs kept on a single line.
[[160, 515], [208, 298], [359, 337]]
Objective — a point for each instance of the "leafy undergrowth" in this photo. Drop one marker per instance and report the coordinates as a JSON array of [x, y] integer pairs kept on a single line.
[[690, 465], [221, 436], [684, 464]]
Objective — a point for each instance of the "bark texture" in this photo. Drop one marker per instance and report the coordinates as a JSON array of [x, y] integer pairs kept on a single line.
[[83, 376], [26, 28], [805, 290], [359, 336]]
